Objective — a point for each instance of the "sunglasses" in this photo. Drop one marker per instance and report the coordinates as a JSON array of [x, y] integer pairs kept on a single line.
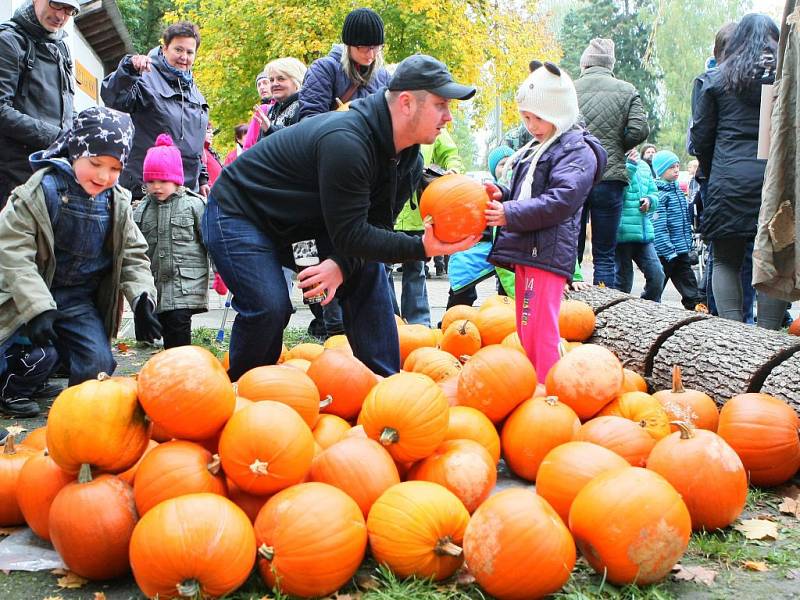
[[369, 48], [68, 10]]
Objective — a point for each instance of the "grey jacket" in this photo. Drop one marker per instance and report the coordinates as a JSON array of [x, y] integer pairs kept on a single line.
[[613, 112], [158, 102], [178, 258]]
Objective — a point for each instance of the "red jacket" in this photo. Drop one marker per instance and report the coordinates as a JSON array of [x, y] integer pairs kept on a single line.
[[212, 164]]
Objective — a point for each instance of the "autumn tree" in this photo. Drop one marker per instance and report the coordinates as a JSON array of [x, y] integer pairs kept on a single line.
[[143, 18]]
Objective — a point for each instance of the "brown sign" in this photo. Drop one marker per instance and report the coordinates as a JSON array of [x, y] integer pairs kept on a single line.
[[86, 81]]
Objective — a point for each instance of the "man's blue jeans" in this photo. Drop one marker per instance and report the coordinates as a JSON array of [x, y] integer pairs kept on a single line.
[[414, 305], [646, 258], [250, 263], [604, 206]]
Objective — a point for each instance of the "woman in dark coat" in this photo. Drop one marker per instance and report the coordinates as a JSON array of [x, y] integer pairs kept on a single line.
[[725, 138]]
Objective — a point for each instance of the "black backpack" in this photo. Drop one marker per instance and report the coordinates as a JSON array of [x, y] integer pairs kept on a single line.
[[30, 55]]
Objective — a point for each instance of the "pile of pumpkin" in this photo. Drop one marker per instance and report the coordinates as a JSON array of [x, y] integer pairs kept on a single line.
[[190, 480]]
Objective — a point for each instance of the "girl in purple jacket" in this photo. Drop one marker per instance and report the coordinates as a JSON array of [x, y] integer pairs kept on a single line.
[[540, 215]]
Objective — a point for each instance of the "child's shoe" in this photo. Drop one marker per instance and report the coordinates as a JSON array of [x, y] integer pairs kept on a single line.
[[19, 407]]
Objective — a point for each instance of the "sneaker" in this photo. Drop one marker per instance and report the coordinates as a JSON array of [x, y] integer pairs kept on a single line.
[[47, 391], [19, 407], [440, 272], [3, 434]]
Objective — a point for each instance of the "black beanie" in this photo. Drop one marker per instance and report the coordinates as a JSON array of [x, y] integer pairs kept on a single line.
[[362, 27]]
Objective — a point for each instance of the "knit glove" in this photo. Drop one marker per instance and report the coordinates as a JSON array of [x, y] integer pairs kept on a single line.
[[219, 285], [145, 321], [40, 329]]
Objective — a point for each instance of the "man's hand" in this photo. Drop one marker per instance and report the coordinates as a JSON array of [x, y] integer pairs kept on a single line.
[[40, 329], [435, 247], [141, 63], [495, 214], [325, 277], [145, 322], [205, 190]]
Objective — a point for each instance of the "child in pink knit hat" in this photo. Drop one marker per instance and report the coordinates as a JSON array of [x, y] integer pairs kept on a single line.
[[169, 216]]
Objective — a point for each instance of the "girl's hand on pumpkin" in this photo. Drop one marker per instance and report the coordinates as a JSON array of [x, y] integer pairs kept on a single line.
[[495, 214], [325, 277], [492, 191], [435, 247]]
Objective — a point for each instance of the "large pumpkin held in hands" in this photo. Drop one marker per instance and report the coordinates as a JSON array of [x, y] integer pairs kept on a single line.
[[454, 205]]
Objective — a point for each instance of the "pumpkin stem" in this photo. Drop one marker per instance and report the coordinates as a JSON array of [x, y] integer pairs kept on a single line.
[[562, 349], [13, 432], [85, 473], [551, 400], [677, 381], [463, 329], [259, 468], [389, 436], [446, 547], [215, 464], [428, 220], [189, 588], [685, 429], [464, 358], [102, 376], [267, 552], [326, 401]]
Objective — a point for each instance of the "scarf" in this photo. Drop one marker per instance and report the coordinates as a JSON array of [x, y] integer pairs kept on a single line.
[[184, 76]]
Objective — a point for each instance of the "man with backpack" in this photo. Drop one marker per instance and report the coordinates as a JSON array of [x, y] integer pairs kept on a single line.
[[36, 85]]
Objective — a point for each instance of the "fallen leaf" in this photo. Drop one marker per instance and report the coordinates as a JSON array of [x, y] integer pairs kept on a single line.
[[53, 598], [59, 571], [788, 491], [790, 506], [757, 529], [464, 577], [71, 581], [694, 573], [9, 530], [122, 347], [365, 581], [752, 565]]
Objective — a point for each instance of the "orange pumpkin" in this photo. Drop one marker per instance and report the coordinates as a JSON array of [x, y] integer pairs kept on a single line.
[[467, 423], [534, 428], [407, 413], [457, 313], [129, 475], [249, 503], [628, 439], [357, 431], [342, 378], [36, 439], [462, 466], [455, 205], [412, 337], [576, 320], [361, 468], [158, 434], [416, 528], [311, 539], [280, 383], [338, 342], [517, 547], [568, 467], [329, 430], [794, 328], [225, 360], [495, 380], [39, 482], [187, 392], [689, 406], [497, 300], [307, 351], [763, 431], [631, 525], [640, 408], [436, 364], [98, 422], [462, 339], [12, 460], [91, 522], [450, 388], [495, 323], [300, 364], [586, 378], [173, 567], [706, 472], [632, 381], [512, 341]]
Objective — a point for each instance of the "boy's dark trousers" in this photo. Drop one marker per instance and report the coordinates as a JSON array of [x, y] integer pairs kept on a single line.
[[176, 327], [27, 368], [680, 272]]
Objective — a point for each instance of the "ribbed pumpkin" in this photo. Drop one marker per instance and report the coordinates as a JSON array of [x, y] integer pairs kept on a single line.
[[36, 439], [339, 342], [467, 423], [407, 413], [249, 503], [455, 205], [497, 300], [283, 384], [311, 539], [456, 313], [495, 381], [129, 475], [568, 467], [307, 350], [689, 406], [631, 525], [586, 378], [576, 320], [360, 467], [632, 381], [462, 466], [534, 428], [763, 431], [462, 339], [100, 423], [512, 341], [12, 459], [266, 447], [91, 522], [300, 364], [416, 528], [174, 469], [187, 392], [436, 364], [39, 482], [412, 337], [628, 439], [343, 379], [450, 388], [706, 472], [640, 408], [329, 430], [517, 547], [205, 547], [495, 323]]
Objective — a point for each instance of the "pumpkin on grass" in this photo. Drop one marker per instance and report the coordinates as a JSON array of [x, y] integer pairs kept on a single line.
[[688, 406], [469, 423], [343, 379], [576, 320], [91, 522], [416, 528], [205, 547], [280, 383], [462, 339], [640, 408], [631, 525], [12, 459], [311, 538], [517, 547], [454, 204], [586, 378], [628, 439], [39, 482]]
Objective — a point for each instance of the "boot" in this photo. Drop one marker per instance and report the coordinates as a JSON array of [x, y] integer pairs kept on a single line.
[[19, 407]]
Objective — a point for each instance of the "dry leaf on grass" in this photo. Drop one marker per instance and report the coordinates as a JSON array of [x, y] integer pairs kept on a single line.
[[53, 598], [464, 577], [757, 529], [71, 581], [788, 491], [365, 581], [59, 571], [790, 506], [753, 565], [122, 347], [694, 573]]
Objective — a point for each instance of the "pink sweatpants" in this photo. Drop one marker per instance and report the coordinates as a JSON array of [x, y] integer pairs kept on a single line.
[[538, 296]]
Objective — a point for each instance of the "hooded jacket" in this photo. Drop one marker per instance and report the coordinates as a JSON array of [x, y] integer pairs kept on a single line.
[[672, 221], [636, 226], [159, 102], [542, 232], [336, 179]]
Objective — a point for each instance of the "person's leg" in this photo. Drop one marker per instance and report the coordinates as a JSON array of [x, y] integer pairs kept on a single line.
[[538, 299], [647, 260], [441, 269], [771, 311], [28, 368], [467, 295], [606, 211], [176, 327], [249, 263], [584, 224], [726, 279], [332, 315], [710, 302], [685, 281], [622, 258], [83, 336], [748, 291], [390, 275], [369, 320], [14, 402], [414, 306]]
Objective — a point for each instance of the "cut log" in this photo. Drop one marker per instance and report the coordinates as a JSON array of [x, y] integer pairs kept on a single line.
[[600, 298], [784, 381]]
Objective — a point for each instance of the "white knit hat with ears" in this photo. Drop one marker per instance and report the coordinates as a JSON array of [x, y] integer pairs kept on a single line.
[[549, 93]]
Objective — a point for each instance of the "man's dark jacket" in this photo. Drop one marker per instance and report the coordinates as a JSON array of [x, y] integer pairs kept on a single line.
[[335, 178]]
